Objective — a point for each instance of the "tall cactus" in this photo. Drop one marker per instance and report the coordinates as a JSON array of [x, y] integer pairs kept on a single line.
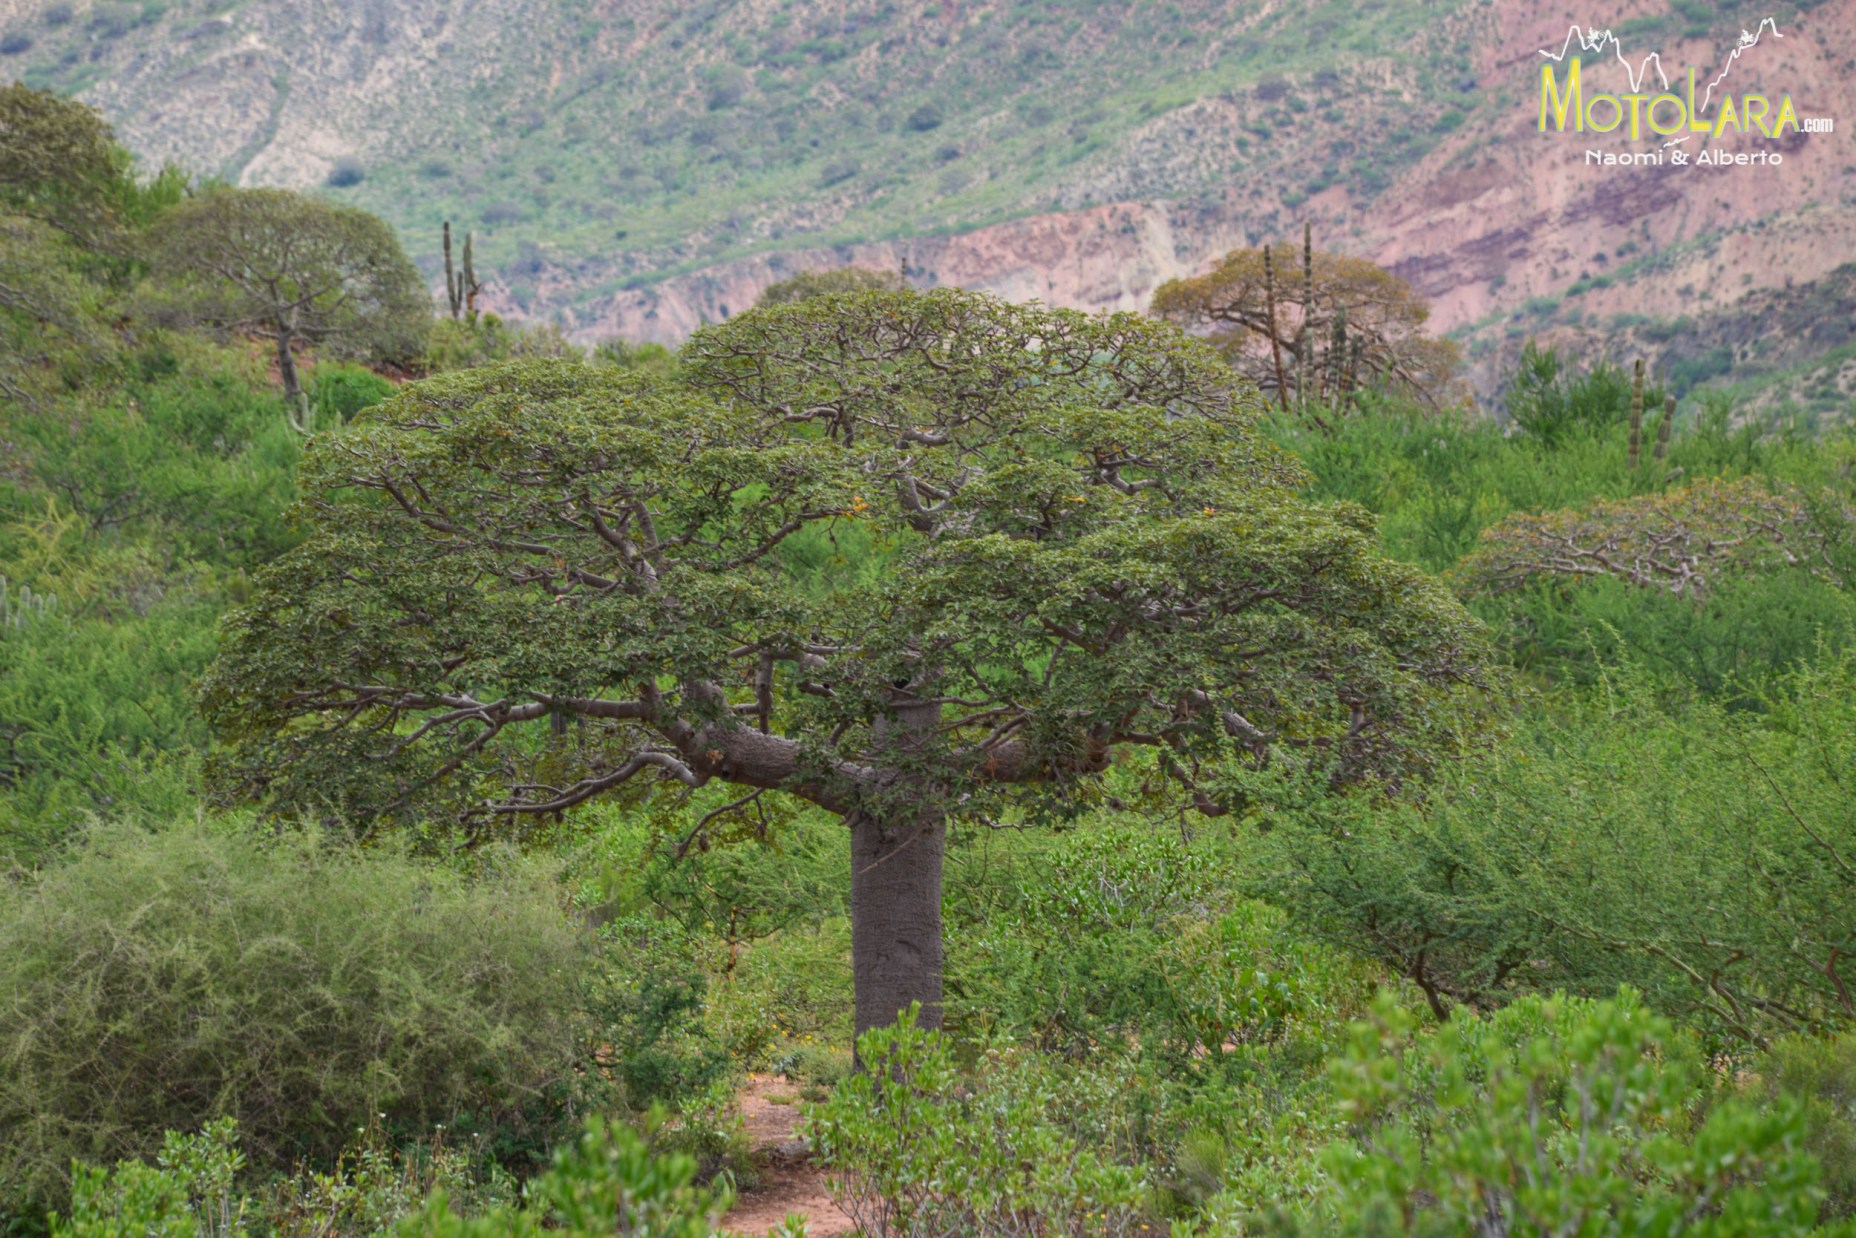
[[455, 301], [1334, 376], [460, 287], [1636, 416], [1664, 429], [1305, 351], [1269, 310], [471, 284]]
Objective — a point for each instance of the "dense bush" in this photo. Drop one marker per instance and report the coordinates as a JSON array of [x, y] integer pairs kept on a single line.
[[609, 1181], [1116, 939], [1435, 484], [1732, 644], [1550, 400], [96, 711], [459, 344], [346, 172], [912, 1147], [202, 456], [337, 392], [652, 358], [139, 509], [648, 1009], [156, 981], [1820, 1075], [1697, 852], [1556, 1117], [808, 284]]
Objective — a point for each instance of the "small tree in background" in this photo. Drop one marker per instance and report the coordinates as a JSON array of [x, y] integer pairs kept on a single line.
[[65, 189], [1346, 324], [295, 270], [59, 162]]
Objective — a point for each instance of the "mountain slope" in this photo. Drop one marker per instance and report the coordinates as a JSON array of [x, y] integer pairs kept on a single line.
[[594, 143], [641, 166]]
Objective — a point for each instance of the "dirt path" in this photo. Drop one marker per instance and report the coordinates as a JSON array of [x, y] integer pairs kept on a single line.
[[788, 1182]]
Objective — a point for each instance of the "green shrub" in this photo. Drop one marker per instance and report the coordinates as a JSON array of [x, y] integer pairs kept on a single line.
[[1114, 939], [460, 344], [157, 981], [188, 1191], [1549, 402], [647, 1004], [345, 173], [1556, 1117], [203, 462], [338, 392], [808, 284], [611, 1182], [913, 1148], [608, 1181], [197, 1186], [739, 951], [1697, 852], [372, 1186], [96, 708], [1821, 1075], [652, 358], [1743, 636]]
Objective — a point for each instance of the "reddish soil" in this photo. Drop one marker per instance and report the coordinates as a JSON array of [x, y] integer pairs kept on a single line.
[[789, 1183]]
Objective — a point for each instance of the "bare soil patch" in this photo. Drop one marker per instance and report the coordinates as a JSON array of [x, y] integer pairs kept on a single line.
[[789, 1182]]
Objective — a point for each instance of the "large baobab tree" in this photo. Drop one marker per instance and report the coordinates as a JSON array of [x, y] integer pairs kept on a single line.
[[912, 559]]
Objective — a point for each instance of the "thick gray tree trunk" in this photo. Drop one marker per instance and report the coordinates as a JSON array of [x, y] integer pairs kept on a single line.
[[896, 917], [896, 855]]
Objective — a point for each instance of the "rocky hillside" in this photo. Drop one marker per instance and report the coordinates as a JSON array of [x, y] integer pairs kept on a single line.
[[640, 166]]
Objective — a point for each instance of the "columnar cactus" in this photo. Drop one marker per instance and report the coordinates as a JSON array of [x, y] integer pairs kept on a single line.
[[1664, 429], [1269, 307], [1636, 416], [1336, 377], [1305, 353], [460, 288]]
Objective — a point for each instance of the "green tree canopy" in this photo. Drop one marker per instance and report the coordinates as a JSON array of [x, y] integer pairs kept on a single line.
[[910, 558], [42, 306], [62, 181], [293, 269], [59, 162], [809, 284]]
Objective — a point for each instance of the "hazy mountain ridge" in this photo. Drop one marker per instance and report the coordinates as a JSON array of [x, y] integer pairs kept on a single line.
[[639, 167]]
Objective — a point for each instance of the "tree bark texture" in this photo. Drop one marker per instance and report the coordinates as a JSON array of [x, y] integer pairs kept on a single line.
[[896, 857], [896, 917]]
